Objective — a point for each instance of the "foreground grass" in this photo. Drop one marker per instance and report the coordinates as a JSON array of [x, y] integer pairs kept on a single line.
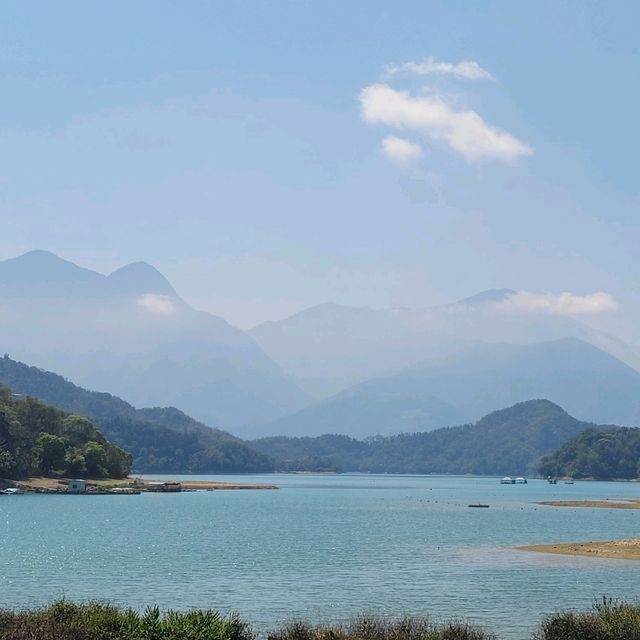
[[372, 628], [608, 620], [97, 621]]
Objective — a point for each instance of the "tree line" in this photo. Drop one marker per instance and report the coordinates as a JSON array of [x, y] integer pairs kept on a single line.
[[37, 439]]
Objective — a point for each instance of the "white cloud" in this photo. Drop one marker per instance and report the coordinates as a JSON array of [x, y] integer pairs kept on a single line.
[[156, 303], [561, 304], [400, 150], [464, 131], [467, 69]]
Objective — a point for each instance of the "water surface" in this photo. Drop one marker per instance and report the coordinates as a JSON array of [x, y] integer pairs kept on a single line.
[[323, 548]]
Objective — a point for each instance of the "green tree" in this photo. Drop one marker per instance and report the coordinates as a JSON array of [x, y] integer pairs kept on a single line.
[[78, 430], [51, 452], [75, 463], [7, 464], [95, 458]]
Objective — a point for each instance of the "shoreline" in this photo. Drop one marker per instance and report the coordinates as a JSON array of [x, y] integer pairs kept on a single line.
[[54, 486], [628, 549]]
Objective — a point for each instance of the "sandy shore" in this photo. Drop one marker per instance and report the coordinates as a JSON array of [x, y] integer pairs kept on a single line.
[[53, 484], [618, 549], [195, 485], [598, 504]]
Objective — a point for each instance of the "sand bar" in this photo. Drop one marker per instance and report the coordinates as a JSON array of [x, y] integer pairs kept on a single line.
[[597, 504], [617, 549]]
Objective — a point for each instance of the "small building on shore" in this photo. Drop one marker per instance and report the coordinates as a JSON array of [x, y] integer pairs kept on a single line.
[[77, 486]]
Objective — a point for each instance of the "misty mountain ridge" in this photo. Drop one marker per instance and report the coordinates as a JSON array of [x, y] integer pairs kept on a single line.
[[364, 410], [470, 382], [364, 371], [331, 347], [131, 334], [42, 273]]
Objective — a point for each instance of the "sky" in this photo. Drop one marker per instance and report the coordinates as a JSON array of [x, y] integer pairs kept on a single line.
[[269, 156]]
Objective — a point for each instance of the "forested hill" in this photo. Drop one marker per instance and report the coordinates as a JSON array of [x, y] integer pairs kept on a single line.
[[161, 440], [37, 439], [510, 441], [602, 453]]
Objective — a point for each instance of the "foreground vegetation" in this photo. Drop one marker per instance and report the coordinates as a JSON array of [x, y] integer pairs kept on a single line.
[[37, 439], [98, 621], [608, 620]]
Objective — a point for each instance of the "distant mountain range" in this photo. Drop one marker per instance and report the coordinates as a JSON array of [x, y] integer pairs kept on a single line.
[[331, 347], [328, 369], [510, 441], [165, 440], [470, 383], [161, 440], [131, 334]]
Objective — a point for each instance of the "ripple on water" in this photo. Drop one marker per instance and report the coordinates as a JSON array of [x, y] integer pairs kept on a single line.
[[323, 547]]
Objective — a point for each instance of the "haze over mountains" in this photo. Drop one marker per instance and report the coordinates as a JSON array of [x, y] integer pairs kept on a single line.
[[329, 347], [328, 369], [131, 334], [468, 383], [165, 440]]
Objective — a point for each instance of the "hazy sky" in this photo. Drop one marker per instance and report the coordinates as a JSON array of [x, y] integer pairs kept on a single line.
[[267, 156]]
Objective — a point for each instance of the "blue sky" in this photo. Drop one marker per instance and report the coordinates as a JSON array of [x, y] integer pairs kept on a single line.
[[231, 145]]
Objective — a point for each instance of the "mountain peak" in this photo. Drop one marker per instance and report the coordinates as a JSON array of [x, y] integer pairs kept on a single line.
[[140, 278], [38, 258], [41, 268], [528, 407], [37, 255], [488, 296]]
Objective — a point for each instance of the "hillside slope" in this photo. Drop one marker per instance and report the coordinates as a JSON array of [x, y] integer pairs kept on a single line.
[[602, 453], [37, 439], [160, 439], [509, 441]]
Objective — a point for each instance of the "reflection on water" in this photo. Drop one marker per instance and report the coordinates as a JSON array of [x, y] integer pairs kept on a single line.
[[322, 547]]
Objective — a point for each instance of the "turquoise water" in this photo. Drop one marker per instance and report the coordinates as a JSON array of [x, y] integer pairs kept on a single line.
[[322, 548]]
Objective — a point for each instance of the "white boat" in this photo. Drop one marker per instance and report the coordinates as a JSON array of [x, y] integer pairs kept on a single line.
[[12, 491]]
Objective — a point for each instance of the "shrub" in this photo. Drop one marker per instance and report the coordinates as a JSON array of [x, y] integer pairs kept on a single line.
[[608, 620], [98, 621], [375, 628]]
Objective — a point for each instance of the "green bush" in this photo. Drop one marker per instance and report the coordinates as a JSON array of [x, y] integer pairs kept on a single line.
[[609, 620], [374, 628], [98, 621]]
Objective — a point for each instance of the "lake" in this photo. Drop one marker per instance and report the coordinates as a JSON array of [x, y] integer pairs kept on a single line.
[[323, 547]]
